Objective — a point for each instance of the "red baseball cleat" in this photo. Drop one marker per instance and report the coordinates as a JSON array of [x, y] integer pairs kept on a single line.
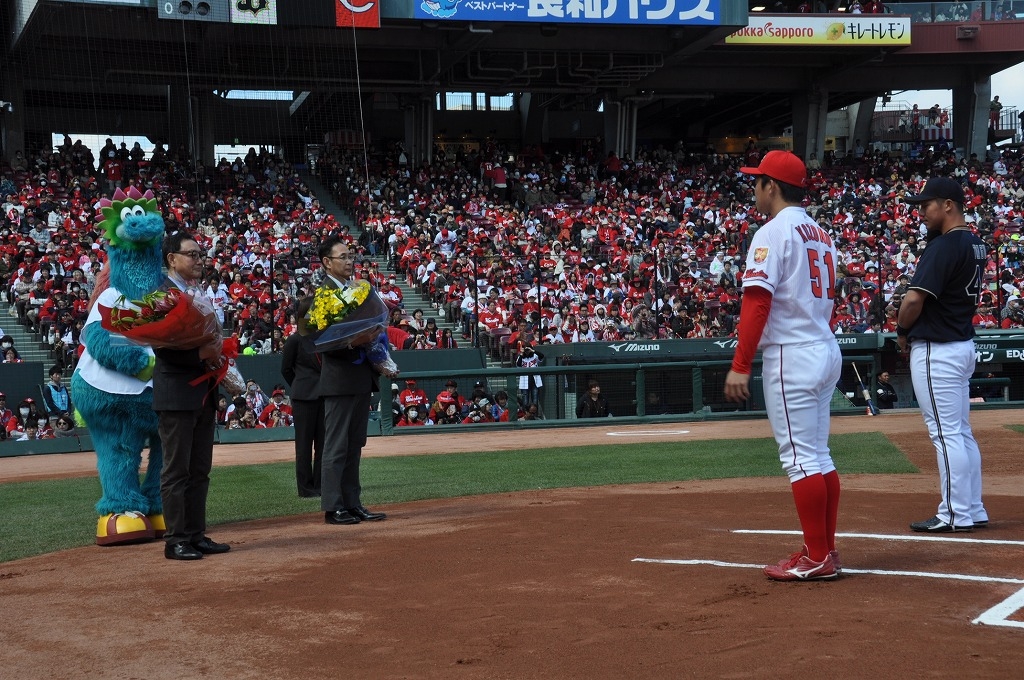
[[800, 567], [834, 554]]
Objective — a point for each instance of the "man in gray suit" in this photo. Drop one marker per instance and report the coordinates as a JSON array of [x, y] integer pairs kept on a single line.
[[346, 387], [187, 416], [301, 369]]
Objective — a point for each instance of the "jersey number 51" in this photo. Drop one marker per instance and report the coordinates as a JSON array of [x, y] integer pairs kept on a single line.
[[814, 262]]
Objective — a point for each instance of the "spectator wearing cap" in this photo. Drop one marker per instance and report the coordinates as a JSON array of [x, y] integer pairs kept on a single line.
[[479, 411], [391, 294], [412, 395], [446, 241], [414, 416], [28, 413], [277, 413], [480, 391], [449, 405]]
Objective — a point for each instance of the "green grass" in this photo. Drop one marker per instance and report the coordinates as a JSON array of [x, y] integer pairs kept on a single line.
[[41, 517], [1016, 428]]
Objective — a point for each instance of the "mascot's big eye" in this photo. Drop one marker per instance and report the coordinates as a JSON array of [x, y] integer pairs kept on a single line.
[[132, 211]]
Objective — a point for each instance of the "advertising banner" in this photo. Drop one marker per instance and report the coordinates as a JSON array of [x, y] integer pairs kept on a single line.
[[357, 13], [855, 30], [254, 12], [631, 12]]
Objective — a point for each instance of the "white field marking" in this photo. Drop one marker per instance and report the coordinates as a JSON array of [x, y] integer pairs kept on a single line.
[[647, 433], [847, 570], [997, 616], [889, 537]]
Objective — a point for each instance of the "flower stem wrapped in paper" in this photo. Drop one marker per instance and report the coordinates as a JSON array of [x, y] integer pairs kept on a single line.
[[176, 320], [354, 317]]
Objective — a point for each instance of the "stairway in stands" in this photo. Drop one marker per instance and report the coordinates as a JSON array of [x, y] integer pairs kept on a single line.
[[411, 297], [31, 347]]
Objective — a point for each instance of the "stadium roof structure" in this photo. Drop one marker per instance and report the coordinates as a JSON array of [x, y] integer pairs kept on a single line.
[[680, 77]]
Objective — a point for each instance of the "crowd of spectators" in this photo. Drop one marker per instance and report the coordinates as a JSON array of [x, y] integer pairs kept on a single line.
[[411, 407], [255, 409], [532, 247], [576, 247]]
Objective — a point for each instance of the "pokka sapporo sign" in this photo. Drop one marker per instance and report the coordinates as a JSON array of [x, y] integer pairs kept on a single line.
[[855, 30]]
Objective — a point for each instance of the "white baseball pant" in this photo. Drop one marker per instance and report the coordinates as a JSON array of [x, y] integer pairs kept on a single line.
[[799, 380], [941, 372]]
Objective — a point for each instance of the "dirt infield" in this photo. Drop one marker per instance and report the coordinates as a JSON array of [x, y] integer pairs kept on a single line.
[[544, 584]]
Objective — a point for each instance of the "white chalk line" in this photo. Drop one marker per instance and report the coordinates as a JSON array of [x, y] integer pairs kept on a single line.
[[647, 433], [960, 538], [996, 616], [848, 570]]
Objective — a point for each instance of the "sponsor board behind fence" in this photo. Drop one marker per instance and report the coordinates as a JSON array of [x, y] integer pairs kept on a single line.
[[868, 30]]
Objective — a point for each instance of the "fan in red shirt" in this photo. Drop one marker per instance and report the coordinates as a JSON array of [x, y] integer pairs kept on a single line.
[[984, 318], [412, 395], [490, 317], [237, 290], [276, 413]]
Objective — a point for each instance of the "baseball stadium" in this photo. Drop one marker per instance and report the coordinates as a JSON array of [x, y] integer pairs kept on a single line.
[[640, 283]]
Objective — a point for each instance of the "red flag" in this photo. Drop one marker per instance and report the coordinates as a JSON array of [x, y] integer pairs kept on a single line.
[[357, 13]]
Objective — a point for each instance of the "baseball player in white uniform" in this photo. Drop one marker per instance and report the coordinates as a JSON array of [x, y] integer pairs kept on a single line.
[[935, 320], [788, 292]]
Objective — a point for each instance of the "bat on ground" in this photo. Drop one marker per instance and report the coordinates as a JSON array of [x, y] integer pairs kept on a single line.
[[872, 409]]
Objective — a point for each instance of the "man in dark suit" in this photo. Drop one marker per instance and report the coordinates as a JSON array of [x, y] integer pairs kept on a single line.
[[345, 387], [302, 371], [187, 416]]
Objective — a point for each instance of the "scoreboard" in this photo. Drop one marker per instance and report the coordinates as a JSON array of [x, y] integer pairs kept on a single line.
[[322, 13]]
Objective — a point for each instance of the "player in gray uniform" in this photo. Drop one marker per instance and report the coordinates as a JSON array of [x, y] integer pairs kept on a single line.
[[935, 320]]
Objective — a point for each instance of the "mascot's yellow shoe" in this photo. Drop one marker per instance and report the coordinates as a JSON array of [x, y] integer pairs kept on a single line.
[[123, 527], [159, 527]]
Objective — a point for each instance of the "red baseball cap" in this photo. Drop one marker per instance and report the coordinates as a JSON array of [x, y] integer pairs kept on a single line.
[[783, 166]]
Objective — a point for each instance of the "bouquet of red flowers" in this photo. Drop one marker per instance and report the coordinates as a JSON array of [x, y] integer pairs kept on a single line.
[[173, 319], [170, 318]]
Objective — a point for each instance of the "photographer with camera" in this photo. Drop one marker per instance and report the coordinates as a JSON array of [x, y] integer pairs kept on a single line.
[[1012, 314], [276, 413], [479, 412]]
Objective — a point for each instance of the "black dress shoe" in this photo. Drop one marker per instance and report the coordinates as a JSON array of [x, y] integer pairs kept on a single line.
[[208, 547], [181, 551], [365, 515], [340, 517]]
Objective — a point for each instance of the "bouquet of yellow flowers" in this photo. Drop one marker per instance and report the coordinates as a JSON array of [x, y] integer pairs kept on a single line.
[[353, 317]]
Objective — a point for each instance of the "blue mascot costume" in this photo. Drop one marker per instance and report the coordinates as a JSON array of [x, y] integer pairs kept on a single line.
[[112, 383]]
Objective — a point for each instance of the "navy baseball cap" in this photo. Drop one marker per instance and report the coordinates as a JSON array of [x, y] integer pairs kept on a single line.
[[942, 188]]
